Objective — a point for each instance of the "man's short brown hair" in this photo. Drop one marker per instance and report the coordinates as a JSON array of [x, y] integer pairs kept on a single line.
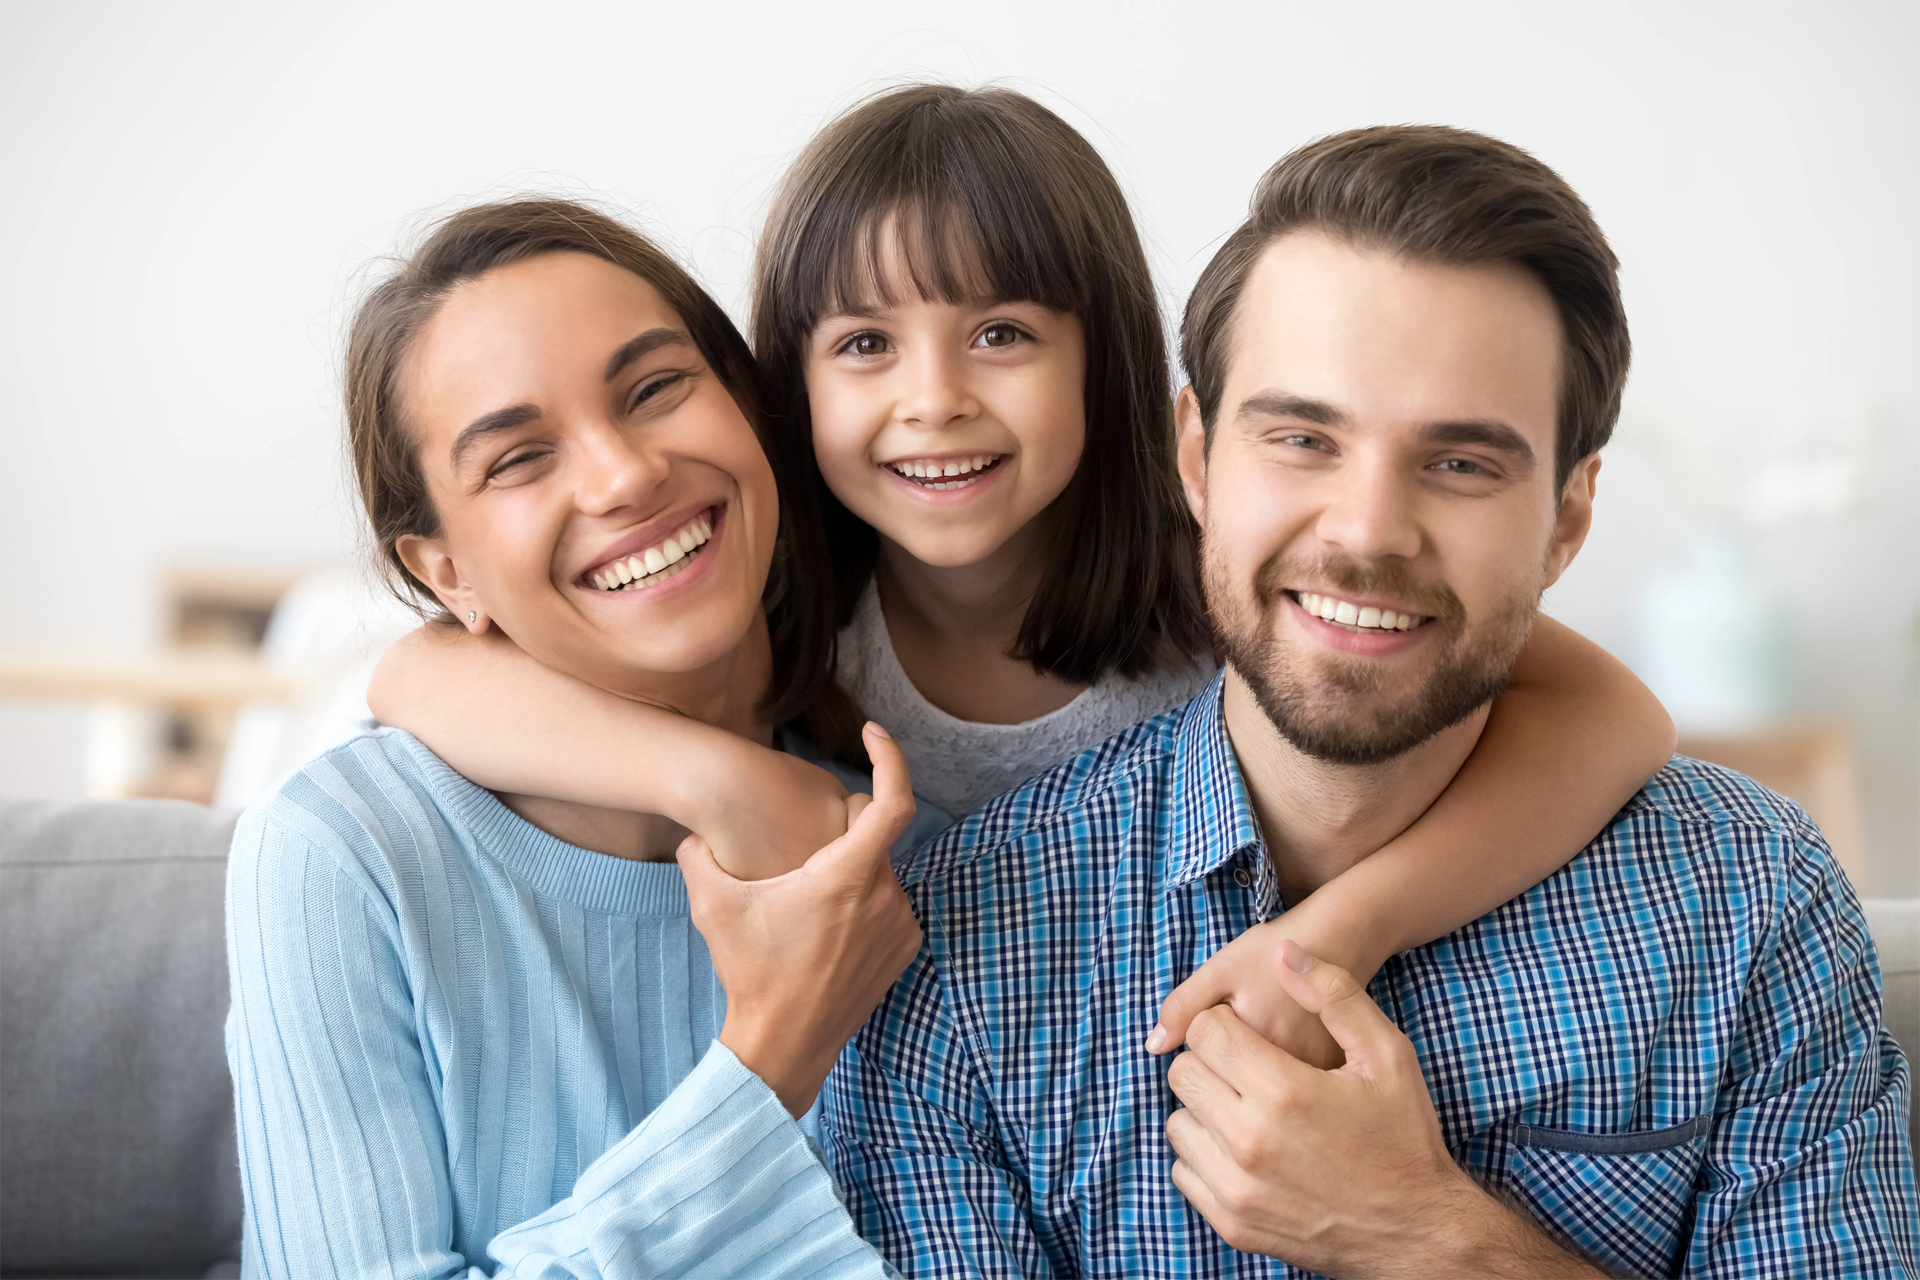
[[1429, 193]]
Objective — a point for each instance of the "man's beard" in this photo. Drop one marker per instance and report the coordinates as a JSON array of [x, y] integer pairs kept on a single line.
[[1335, 707]]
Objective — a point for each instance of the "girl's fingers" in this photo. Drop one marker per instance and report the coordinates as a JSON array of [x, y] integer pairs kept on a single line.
[[1209, 986]]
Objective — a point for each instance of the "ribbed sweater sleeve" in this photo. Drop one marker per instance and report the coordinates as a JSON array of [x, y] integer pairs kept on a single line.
[[345, 1153]]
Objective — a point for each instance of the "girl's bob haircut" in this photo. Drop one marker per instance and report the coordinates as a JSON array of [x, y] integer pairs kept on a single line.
[[385, 449], [989, 196]]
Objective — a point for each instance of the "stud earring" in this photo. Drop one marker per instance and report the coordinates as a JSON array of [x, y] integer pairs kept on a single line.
[[469, 617]]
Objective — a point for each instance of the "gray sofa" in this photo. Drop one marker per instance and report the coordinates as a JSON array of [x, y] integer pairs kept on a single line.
[[116, 1128], [116, 1112]]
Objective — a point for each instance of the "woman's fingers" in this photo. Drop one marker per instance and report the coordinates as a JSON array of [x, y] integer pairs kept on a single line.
[[891, 807]]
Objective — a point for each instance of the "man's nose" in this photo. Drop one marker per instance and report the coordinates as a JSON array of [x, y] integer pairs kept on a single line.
[[616, 469], [1370, 512], [934, 391]]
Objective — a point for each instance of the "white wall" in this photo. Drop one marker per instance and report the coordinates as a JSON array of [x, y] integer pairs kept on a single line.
[[190, 189]]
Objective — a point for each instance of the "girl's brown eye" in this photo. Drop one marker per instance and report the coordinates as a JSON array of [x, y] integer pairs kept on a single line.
[[999, 335], [868, 344]]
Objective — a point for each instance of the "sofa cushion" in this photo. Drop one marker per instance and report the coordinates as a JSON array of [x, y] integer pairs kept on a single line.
[[117, 1149], [1895, 925]]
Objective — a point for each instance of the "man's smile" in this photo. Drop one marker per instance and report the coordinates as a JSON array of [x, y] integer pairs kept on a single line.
[[1358, 617]]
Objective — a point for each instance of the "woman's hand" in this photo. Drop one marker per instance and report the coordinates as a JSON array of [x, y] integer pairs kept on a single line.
[[806, 956]]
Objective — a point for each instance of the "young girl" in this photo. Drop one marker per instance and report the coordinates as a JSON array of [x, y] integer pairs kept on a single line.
[[962, 342]]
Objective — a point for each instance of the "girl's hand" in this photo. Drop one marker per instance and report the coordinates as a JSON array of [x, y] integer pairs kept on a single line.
[[1241, 975], [806, 956]]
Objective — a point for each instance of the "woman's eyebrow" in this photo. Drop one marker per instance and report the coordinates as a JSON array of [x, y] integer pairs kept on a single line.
[[490, 424], [647, 343]]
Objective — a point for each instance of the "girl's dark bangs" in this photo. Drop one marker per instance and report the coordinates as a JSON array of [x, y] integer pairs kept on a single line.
[[962, 235]]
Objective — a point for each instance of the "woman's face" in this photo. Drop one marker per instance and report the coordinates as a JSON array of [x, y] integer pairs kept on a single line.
[[601, 496], [947, 427]]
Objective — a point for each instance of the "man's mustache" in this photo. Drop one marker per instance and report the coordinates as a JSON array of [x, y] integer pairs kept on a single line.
[[1392, 579]]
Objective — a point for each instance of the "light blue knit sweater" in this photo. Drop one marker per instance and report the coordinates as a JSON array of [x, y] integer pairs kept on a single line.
[[455, 1038]]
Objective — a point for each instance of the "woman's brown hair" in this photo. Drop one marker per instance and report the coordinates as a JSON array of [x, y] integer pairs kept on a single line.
[[386, 460], [989, 195]]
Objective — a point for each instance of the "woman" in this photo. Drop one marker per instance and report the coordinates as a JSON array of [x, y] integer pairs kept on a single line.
[[466, 1024]]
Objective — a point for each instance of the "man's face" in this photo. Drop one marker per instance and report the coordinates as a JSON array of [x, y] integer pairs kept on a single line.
[[1378, 507]]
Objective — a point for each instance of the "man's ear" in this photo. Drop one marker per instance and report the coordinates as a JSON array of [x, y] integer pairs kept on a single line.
[[1190, 442], [428, 560], [1575, 518]]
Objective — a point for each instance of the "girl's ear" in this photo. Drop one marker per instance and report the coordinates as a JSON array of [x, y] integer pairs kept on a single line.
[[1190, 442], [427, 559]]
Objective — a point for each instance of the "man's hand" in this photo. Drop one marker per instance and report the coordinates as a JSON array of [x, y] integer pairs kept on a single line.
[[806, 956], [1340, 1172]]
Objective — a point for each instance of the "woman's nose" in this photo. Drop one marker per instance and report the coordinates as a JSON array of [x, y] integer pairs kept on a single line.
[[1370, 513], [934, 391], [615, 470]]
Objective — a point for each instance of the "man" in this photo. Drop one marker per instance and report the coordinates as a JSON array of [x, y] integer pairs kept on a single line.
[[1665, 1058]]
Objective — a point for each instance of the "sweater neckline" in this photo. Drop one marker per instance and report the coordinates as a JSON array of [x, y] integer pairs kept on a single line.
[[548, 865]]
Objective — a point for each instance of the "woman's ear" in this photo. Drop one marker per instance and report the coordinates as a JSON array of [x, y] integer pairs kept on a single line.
[[427, 560]]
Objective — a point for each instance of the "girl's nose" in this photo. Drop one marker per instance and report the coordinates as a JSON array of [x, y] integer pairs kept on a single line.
[[934, 393]]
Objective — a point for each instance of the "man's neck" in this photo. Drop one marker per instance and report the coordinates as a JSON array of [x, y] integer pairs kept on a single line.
[[1320, 818]]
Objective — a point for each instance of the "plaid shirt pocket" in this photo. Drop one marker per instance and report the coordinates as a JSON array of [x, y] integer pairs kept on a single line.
[[1631, 1192]]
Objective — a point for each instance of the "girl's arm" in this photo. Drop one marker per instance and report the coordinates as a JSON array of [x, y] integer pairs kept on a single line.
[[513, 724], [1571, 740]]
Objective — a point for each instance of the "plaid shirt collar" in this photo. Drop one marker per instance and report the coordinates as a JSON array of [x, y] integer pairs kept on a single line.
[[1211, 824]]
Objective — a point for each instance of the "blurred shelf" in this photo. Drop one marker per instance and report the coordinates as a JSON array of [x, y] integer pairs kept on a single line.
[[1812, 763], [216, 680]]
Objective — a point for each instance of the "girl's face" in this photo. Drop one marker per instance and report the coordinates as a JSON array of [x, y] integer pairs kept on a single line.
[[601, 496], [947, 427]]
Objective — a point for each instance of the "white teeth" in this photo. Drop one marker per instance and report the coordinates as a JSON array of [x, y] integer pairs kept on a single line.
[[1333, 609], [957, 468], [657, 563]]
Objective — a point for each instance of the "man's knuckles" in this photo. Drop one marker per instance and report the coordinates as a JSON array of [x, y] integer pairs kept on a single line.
[[1252, 1147], [1213, 1032]]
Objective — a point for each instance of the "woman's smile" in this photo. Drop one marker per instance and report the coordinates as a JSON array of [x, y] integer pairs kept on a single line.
[[646, 560]]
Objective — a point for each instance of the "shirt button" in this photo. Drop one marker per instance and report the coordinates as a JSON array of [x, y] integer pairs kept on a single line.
[[1243, 877]]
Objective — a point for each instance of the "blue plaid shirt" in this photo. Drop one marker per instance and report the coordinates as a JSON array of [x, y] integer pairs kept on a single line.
[[1670, 1052]]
